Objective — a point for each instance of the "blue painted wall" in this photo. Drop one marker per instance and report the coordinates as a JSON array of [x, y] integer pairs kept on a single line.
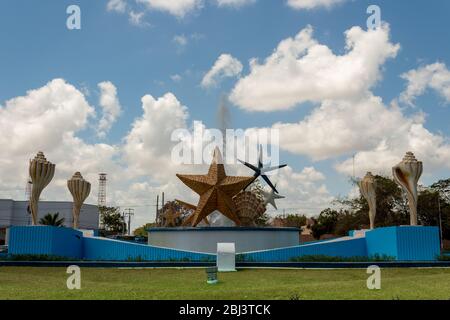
[[45, 240], [70, 243], [115, 250], [382, 242], [408, 243], [336, 248], [418, 243], [402, 243]]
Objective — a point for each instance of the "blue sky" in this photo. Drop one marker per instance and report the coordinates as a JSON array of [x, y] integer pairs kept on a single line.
[[36, 47]]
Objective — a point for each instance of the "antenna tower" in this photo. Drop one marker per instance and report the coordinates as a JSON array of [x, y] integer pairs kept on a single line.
[[102, 190]]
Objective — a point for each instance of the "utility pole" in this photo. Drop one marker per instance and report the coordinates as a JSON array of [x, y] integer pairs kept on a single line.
[[440, 221], [128, 212], [157, 208]]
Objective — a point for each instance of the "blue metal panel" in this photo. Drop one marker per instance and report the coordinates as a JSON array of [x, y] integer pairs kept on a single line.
[[407, 243], [45, 240], [353, 247], [115, 250], [418, 243], [382, 242]]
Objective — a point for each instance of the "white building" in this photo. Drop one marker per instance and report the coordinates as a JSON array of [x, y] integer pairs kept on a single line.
[[15, 213]]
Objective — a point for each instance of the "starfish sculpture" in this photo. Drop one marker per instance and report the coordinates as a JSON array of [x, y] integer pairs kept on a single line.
[[260, 170], [188, 221], [270, 197], [216, 190]]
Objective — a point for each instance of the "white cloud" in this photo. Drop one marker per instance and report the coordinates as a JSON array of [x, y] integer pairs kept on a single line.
[[48, 119], [180, 40], [312, 4], [117, 6], [431, 148], [234, 3], [225, 66], [305, 191], [377, 135], [178, 8], [301, 69], [137, 18], [337, 128], [150, 136], [176, 78], [111, 108], [433, 76]]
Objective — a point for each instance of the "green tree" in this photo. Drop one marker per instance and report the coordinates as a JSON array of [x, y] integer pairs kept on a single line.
[[430, 203], [52, 220], [142, 231], [325, 223], [112, 220], [292, 220]]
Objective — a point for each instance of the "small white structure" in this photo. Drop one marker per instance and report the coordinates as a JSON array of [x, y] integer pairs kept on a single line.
[[226, 257]]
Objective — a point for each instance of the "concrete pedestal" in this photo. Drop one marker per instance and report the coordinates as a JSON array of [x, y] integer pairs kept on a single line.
[[206, 239]]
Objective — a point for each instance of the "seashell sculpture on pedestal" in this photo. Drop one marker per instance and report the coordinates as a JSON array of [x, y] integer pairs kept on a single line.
[[80, 189], [41, 172], [249, 207], [367, 187], [407, 174]]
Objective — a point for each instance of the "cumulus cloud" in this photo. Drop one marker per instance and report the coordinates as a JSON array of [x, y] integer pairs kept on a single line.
[[48, 119], [225, 66], [337, 128], [377, 136], [305, 191], [110, 105], [178, 8], [301, 69], [312, 4], [150, 135], [431, 148], [433, 76]]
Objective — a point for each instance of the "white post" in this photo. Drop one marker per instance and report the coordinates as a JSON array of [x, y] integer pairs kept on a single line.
[[226, 257]]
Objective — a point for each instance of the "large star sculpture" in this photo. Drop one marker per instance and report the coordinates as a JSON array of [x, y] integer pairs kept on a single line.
[[270, 197], [260, 169], [216, 190]]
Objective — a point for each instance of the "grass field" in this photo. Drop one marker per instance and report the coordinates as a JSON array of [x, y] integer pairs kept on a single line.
[[50, 283]]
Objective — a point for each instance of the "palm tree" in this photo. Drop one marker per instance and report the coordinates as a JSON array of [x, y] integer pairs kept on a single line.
[[52, 220]]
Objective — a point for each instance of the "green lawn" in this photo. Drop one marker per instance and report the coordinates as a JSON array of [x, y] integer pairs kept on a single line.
[[50, 283]]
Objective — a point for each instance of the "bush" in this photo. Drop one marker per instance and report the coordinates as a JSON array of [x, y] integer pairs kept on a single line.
[[444, 257], [37, 257], [323, 258]]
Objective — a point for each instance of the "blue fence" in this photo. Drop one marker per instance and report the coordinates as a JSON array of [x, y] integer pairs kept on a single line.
[[401, 243], [46, 240], [408, 243], [355, 247], [116, 250], [69, 243]]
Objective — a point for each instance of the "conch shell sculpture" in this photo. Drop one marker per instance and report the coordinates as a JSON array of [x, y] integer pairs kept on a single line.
[[80, 189], [41, 173], [367, 187], [249, 207], [407, 174]]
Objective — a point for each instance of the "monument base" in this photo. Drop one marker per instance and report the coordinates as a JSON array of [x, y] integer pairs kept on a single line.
[[206, 239]]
